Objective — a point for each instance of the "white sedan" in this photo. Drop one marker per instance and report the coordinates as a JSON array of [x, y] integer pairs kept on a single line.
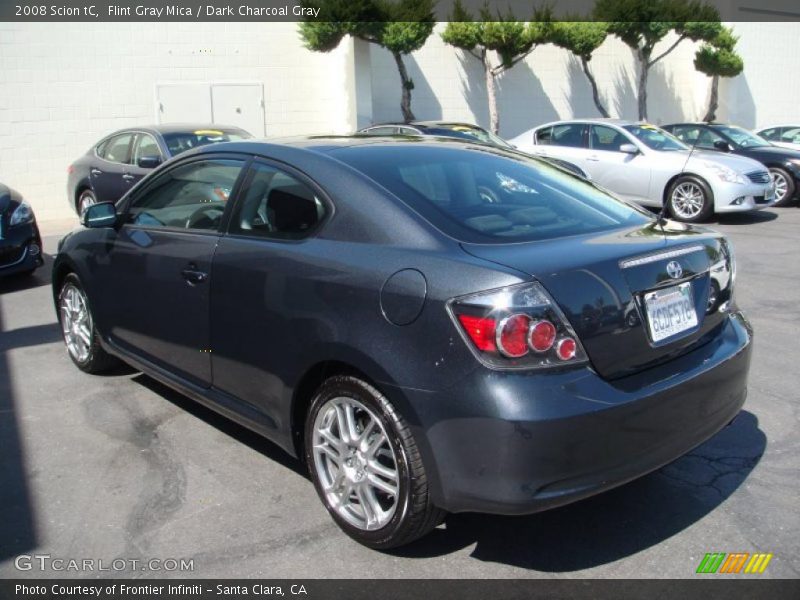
[[644, 164], [785, 136]]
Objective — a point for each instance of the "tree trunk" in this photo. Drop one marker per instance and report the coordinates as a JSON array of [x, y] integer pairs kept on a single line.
[[713, 101], [644, 71], [491, 93], [408, 85], [595, 95]]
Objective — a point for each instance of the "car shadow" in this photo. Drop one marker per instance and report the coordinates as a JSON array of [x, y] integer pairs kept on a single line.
[[748, 218], [20, 282], [237, 432], [613, 525]]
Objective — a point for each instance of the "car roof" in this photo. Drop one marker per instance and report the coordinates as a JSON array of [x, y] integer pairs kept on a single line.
[[425, 124], [600, 120], [168, 128]]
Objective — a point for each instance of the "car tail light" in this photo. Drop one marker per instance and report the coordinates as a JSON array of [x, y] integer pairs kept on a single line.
[[516, 327]]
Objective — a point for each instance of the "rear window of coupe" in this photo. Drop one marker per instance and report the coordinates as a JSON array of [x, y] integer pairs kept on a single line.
[[484, 195]]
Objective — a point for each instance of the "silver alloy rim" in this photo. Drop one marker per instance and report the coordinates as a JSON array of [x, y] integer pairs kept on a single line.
[[86, 201], [688, 200], [355, 463], [781, 185], [76, 323]]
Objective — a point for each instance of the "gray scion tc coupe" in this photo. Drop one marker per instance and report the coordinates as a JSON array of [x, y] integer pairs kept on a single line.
[[360, 303]]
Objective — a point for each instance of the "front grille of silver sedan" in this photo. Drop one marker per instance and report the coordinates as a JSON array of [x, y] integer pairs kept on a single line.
[[758, 176]]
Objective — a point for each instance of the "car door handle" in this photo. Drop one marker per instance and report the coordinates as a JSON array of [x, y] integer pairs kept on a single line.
[[127, 177], [593, 157], [96, 172], [194, 276]]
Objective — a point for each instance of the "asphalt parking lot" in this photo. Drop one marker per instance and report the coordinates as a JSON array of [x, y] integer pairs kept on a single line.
[[119, 466]]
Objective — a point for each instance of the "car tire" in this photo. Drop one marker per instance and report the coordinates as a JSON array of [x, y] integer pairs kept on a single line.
[[77, 327], [689, 199], [784, 186], [86, 199], [354, 438]]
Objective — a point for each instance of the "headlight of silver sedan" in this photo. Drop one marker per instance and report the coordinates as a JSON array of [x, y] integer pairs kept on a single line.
[[725, 174]]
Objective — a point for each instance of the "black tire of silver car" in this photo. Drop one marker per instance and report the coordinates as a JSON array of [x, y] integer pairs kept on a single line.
[[366, 466], [77, 327], [784, 186], [86, 199], [690, 200]]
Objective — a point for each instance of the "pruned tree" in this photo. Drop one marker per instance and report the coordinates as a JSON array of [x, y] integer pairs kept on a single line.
[[638, 24], [511, 40], [718, 58], [400, 26], [582, 38]]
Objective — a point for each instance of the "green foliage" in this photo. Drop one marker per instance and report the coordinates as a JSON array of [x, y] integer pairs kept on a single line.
[[581, 38], [718, 57], [634, 21], [500, 32], [400, 26]]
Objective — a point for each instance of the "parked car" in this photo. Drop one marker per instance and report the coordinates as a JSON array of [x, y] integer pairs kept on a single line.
[[785, 136], [464, 131], [644, 164], [20, 242], [113, 165], [359, 303], [783, 164]]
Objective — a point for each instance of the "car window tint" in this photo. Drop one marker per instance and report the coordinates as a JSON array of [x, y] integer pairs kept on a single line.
[[117, 149], [544, 136], [190, 196], [569, 134], [181, 141], [486, 195], [380, 131], [146, 146], [791, 135], [772, 135], [606, 138], [277, 205]]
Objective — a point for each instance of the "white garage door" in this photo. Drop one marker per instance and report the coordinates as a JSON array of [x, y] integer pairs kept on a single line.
[[238, 104]]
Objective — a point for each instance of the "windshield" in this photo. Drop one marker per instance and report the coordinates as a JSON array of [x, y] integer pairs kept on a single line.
[[487, 195], [655, 138], [181, 141], [742, 137], [468, 133]]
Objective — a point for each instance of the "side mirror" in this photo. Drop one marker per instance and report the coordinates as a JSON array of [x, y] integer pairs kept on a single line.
[[722, 145], [99, 215], [148, 162], [629, 149]]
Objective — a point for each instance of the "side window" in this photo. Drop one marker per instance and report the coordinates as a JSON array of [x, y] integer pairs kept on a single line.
[[707, 138], [190, 196], [686, 133], [276, 205], [146, 145], [385, 130], [117, 149], [606, 138], [773, 135], [790, 135], [569, 134], [544, 136]]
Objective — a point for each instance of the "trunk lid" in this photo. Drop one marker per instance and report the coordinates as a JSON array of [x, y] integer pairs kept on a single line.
[[602, 281]]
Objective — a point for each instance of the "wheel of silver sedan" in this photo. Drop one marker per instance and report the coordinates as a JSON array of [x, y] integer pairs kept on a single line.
[[688, 200], [76, 322], [355, 463]]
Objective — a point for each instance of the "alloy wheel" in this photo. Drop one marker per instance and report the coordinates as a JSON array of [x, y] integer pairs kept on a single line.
[[355, 463], [781, 186], [688, 200], [76, 323]]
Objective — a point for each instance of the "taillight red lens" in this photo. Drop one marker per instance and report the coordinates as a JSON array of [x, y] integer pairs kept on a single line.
[[566, 348], [512, 335], [481, 331], [541, 336]]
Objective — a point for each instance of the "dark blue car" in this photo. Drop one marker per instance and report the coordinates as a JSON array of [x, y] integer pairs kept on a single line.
[[20, 242], [360, 302], [112, 166]]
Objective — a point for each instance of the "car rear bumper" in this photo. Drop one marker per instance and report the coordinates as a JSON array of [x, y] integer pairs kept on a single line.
[[512, 443], [20, 250]]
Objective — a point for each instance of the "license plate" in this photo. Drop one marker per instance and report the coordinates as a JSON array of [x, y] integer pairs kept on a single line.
[[670, 311], [769, 192]]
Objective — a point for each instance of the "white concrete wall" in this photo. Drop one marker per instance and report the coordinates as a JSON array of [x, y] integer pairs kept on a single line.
[[64, 85], [549, 84]]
